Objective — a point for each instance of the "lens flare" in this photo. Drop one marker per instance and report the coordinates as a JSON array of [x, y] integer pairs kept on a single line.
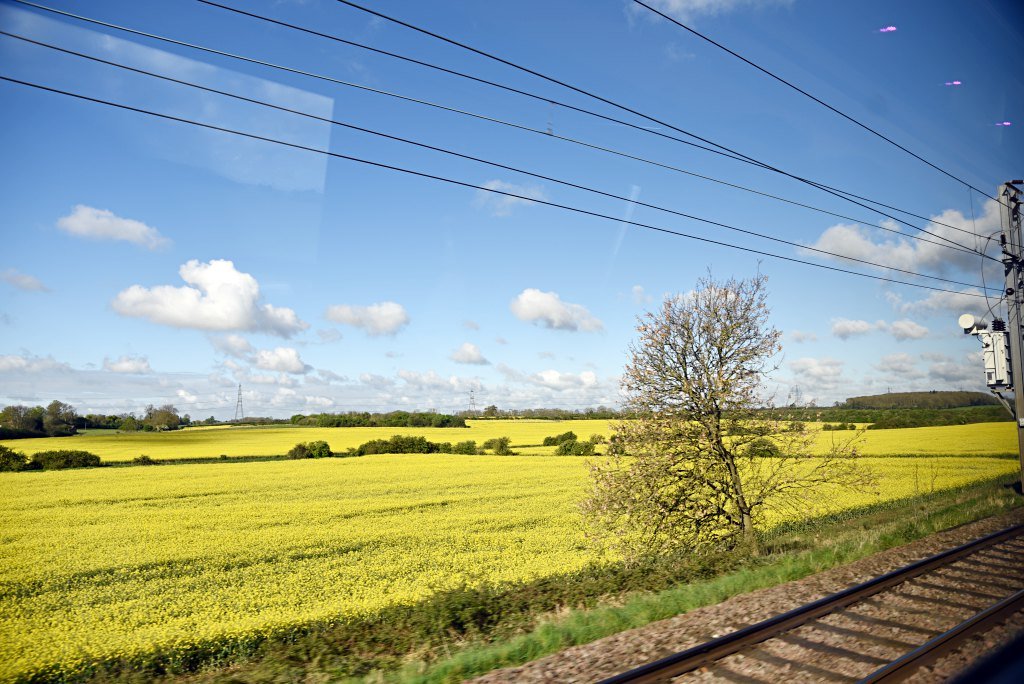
[[1004, 123], [954, 83], [887, 29]]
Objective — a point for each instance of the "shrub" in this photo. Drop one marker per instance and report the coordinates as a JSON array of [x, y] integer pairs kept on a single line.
[[597, 439], [398, 444], [63, 459], [574, 448], [763, 448], [559, 439], [319, 449], [11, 460], [797, 426], [143, 459], [500, 446], [467, 447], [299, 451]]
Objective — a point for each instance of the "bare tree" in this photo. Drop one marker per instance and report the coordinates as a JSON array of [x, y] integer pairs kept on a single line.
[[705, 463]]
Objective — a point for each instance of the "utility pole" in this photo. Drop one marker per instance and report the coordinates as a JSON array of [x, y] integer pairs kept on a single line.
[[1009, 213], [239, 412]]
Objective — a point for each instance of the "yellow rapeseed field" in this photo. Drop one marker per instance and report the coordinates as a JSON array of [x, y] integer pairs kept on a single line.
[[526, 435], [118, 563]]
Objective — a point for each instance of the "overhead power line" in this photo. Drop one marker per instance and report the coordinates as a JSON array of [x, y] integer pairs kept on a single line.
[[451, 181], [833, 191], [478, 160], [803, 92], [722, 150]]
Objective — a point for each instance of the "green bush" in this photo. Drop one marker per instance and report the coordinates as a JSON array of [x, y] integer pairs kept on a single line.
[[299, 451], [763, 448], [500, 446], [574, 448], [62, 459], [468, 447], [319, 449], [559, 439], [597, 439], [143, 459], [398, 444], [11, 460]]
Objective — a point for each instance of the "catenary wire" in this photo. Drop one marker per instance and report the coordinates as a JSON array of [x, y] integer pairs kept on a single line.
[[723, 151], [473, 186], [953, 244], [809, 95], [477, 159]]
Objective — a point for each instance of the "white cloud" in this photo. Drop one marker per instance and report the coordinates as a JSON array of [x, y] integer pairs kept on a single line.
[[186, 396], [30, 364], [23, 281], [101, 224], [824, 374], [799, 336], [902, 366], [384, 318], [502, 205], [857, 241], [128, 364], [471, 325], [956, 303], [328, 335], [844, 328], [907, 329], [282, 359], [548, 309], [639, 296], [217, 297], [469, 353], [501, 340], [688, 10], [232, 345], [552, 379]]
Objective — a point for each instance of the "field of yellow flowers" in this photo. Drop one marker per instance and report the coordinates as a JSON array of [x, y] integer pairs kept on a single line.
[[526, 436], [121, 563]]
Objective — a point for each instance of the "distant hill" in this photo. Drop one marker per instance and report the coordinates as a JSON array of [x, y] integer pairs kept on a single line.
[[920, 400]]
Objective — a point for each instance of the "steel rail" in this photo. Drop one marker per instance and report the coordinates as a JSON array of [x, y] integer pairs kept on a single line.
[[703, 654], [947, 642]]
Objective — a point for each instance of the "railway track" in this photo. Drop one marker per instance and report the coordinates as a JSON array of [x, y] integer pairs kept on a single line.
[[882, 630]]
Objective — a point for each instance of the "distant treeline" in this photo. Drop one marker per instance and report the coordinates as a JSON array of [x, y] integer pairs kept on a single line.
[[882, 419], [392, 419], [58, 419], [920, 400], [598, 413]]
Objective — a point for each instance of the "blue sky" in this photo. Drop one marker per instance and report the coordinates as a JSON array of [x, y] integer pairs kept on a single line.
[[147, 261]]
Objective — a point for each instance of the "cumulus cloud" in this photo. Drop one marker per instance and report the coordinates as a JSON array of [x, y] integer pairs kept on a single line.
[[688, 10], [907, 329], [23, 281], [11, 363], [216, 297], [900, 365], [844, 328], [824, 373], [639, 295], [469, 353], [502, 205], [963, 301], [282, 359], [859, 242], [383, 318], [551, 379], [128, 364], [548, 309], [101, 224], [799, 336], [232, 345]]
